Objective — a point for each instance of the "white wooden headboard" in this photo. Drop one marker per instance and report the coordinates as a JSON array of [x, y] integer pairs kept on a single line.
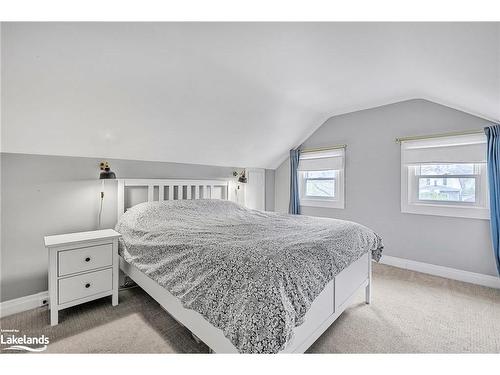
[[176, 190]]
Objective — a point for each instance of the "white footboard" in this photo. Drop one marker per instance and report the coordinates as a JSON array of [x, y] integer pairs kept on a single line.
[[332, 302], [325, 309]]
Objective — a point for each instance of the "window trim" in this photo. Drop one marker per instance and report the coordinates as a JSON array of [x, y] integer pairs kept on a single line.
[[332, 159], [410, 203]]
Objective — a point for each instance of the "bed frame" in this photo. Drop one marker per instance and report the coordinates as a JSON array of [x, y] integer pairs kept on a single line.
[[326, 308]]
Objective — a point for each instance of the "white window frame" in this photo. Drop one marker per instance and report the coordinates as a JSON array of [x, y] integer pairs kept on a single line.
[[410, 203], [336, 202]]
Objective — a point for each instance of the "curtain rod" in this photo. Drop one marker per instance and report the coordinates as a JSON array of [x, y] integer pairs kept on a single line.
[[450, 134], [335, 147]]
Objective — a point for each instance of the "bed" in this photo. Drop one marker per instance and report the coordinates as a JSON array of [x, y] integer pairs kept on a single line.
[[241, 280]]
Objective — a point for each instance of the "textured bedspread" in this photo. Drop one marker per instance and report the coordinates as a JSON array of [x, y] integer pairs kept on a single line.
[[252, 274]]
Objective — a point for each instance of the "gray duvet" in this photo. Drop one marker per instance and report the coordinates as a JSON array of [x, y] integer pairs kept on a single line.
[[252, 274]]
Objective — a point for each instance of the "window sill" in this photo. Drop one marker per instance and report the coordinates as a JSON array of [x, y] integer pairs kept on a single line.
[[446, 210], [322, 203]]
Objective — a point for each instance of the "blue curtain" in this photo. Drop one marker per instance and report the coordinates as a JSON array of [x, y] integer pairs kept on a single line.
[[294, 207], [493, 157]]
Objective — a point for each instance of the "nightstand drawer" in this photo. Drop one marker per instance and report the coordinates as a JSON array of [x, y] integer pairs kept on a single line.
[[85, 259], [81, 286]]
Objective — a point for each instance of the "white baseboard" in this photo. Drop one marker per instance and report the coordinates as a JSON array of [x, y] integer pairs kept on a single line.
[[449, 273], [14, 306]]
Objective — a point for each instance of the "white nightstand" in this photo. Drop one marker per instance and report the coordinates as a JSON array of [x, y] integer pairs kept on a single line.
[[82, 267]]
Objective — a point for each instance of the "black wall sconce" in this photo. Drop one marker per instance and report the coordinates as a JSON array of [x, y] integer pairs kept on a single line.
[[106, 174], [241, 176]]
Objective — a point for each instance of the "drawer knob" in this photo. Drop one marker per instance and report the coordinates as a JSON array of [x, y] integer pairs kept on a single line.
[[87, 259], [87, 285]]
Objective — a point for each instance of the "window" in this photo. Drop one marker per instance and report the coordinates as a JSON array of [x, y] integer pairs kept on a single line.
[[321, 181], [445, 176], [448, 182], [319, 184]]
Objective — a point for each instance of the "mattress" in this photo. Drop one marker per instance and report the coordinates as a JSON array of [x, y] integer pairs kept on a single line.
[[250, 273]]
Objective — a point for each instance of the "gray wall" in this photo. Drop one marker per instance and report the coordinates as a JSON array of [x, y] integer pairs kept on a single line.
[[373, 185], [270, 185], [43, 195]]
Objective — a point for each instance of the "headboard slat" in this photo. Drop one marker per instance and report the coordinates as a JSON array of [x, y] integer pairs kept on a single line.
[[150, 193], [161, 193]]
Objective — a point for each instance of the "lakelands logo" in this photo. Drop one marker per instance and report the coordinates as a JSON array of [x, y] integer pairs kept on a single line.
[[19, 342]]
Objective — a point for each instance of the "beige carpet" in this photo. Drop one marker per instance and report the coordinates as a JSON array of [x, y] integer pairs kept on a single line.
[[411, 313]]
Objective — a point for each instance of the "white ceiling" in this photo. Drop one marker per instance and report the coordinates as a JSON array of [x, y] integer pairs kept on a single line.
[[233, 94]]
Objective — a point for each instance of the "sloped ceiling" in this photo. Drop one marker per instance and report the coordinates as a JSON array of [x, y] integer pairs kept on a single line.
[[234, 94]]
